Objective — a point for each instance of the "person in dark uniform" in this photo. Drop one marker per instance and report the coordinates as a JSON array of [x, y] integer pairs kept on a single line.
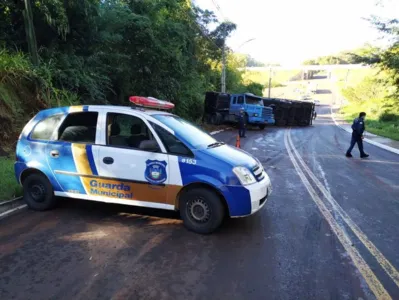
[[241, 123], [358, 128]]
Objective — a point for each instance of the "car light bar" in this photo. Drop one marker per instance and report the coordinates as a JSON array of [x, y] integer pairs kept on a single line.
[[151, 102]]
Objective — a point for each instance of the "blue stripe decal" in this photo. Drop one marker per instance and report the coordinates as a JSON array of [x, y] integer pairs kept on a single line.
[[85, 108], [91, 159]]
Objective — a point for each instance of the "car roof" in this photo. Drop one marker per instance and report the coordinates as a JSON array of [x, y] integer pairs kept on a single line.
[[125, 109]]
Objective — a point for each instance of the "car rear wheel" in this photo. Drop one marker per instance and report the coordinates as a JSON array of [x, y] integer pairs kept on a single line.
[[38, 192], [202, 210]]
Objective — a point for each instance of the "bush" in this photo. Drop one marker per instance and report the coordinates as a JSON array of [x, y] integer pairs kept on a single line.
[[388, 117]]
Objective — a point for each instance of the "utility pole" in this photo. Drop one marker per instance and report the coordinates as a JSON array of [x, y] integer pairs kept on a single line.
[[30, 33], [270, 79], [224, 67]]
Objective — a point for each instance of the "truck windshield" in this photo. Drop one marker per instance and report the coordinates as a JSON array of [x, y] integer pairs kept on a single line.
[[253, 100], [186, 131]]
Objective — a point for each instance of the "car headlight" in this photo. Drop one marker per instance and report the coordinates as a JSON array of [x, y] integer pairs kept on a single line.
[[244, 175], [255, 115]]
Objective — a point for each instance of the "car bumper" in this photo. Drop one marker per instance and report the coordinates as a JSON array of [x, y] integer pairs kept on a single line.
[[246, 200], [259, 193]]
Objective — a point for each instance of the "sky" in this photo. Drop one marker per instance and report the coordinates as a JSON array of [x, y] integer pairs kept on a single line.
[[291, 31]]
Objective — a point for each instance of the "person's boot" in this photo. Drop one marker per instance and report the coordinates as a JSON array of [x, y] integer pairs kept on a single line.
[[348, 154], [364, 155]]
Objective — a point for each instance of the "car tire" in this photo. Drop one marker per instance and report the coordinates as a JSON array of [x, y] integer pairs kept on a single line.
[[202, 210], [261, 127], [38, 192]]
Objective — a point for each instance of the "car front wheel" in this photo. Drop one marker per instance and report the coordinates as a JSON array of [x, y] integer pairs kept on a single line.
[[202, 210]]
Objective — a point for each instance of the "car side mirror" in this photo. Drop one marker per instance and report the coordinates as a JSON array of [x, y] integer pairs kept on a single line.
[[149, 145]]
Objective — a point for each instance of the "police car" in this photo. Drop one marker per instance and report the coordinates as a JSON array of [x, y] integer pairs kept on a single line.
[[139, 155]]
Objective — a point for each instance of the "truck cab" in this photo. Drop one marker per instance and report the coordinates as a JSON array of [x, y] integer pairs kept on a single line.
[[256, 113]]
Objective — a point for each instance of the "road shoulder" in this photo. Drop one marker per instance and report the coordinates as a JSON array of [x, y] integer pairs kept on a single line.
[[381, 142]]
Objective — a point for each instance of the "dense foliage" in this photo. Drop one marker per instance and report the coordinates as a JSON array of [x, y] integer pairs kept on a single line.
[[97, 52], [378, 94]]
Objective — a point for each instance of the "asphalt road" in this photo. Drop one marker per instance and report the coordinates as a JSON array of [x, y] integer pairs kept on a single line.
[[329, 231]]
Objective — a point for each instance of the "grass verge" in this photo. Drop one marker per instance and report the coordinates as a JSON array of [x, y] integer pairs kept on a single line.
[[9, 187], [373, 125]]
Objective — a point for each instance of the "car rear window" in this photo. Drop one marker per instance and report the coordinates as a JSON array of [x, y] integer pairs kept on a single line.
[[44, 129], [79, 127]]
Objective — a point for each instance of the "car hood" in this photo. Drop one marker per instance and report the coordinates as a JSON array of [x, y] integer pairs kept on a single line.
[[231, 155]]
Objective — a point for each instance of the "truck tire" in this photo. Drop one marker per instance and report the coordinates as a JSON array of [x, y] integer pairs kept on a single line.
[[38, 192], [262, 126], [202, 210]]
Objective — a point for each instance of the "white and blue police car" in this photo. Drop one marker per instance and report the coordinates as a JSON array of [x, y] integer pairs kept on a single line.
[[139, 155]]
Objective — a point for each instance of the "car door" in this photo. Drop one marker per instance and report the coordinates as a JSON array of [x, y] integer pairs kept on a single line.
[[128, 172], [70, 154]]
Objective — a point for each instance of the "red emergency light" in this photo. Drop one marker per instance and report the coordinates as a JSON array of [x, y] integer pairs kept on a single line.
[[151, 102]]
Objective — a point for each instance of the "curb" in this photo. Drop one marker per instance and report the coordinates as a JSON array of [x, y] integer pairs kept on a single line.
[[11, 207], [382, 146]]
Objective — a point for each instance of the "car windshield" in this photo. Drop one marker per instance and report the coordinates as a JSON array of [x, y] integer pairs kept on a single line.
[[186, 131], [253, 100]]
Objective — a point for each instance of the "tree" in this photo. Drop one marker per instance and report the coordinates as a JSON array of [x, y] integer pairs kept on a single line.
[[255, 88], [104, 51]]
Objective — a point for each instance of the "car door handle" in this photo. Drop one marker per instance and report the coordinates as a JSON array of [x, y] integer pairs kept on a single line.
[[108, 160], [54, 153]]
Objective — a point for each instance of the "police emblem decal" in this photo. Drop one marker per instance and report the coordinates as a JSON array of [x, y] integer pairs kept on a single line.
[[155, 171]]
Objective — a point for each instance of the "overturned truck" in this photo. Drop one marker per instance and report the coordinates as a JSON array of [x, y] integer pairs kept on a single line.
[[291, 112]]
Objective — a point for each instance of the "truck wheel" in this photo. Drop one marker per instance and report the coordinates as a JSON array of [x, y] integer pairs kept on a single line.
[[202, 210], [262, 126], [38, 192]]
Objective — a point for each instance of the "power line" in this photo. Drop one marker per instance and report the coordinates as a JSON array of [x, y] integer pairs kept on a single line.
[[219, 9]]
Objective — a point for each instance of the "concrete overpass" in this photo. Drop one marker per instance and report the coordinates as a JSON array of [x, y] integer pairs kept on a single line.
[[307, 71], [307, 67]]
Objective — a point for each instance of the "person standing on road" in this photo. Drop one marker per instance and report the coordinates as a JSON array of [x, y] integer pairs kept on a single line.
[[358, 128], [241, 123]]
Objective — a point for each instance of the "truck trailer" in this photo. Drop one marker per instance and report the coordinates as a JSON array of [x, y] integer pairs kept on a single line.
[[291, 112]]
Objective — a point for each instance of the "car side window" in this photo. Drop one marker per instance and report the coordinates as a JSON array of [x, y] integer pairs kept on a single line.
[[127, 131], [79, 127], [172, 144], [240, 100], [44, 129], [234, 100]]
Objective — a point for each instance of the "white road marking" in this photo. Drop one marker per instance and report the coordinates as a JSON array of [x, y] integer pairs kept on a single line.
[[388, 148], [8, 212], [374, 284], [384, 262], [219, 131]]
